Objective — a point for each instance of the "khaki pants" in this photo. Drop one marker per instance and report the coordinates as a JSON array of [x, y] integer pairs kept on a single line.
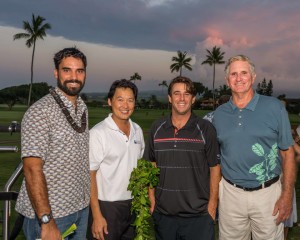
[[243, 213]]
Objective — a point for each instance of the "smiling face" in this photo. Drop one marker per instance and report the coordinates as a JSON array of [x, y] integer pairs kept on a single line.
[[70, 76], [181, 100], [122, 104], [240, 78]]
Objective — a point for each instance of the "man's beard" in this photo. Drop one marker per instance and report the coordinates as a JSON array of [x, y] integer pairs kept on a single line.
[[70, 91]]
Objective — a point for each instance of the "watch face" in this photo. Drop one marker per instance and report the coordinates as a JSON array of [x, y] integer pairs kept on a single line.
[[45, 219]]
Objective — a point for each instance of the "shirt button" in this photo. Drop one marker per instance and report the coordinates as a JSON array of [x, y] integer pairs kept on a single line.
[[240, 116], [240, 124]]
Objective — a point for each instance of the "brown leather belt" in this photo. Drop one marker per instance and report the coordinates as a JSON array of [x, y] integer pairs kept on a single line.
[[264, 185]]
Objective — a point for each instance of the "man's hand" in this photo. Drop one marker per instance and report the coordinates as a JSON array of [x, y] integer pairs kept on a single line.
[[50, 231], [215, 177], [283, 207], [151, 194], [99, 228], [152, 206], [212, 210]]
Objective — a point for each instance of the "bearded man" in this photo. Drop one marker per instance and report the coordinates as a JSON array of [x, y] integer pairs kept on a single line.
[[55, 191]]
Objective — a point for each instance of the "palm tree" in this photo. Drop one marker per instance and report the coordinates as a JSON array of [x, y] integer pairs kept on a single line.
[[135, 77], [163, 84], [215, 56], [180, 61], [33, 31]]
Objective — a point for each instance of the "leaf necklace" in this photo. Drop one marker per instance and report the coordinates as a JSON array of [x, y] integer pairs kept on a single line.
[[66, 112]]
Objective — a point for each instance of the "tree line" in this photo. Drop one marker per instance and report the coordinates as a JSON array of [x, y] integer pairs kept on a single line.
[[19, 94]]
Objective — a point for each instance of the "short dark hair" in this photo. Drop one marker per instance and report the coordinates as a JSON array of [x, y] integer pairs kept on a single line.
[[69, 52], [188, 82], [123, 83]]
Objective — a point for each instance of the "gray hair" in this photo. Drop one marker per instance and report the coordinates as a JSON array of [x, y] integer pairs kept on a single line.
[[240, 58]]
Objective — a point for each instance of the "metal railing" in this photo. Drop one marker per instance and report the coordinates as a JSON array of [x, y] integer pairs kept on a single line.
[[9, 149], [7, 195], [13, 127]]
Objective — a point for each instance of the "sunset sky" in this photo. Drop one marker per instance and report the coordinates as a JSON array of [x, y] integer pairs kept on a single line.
[[121, 37]]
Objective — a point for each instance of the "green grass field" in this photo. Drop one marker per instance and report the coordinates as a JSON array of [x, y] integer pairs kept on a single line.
[[144, 117]]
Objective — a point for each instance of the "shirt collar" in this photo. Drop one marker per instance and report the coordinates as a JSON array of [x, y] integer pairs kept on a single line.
[[189, 123], [250, 106], [111, 123]]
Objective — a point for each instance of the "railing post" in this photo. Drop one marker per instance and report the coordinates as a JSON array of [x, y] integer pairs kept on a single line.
[[7, 188]]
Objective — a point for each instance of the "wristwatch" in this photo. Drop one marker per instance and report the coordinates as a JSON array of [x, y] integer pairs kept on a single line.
[[45, 218]]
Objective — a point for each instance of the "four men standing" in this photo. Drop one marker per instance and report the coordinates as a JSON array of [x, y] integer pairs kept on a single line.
[[257, 161]]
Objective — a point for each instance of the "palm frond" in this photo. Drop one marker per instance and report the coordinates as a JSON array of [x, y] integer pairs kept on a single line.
[[180, 61]]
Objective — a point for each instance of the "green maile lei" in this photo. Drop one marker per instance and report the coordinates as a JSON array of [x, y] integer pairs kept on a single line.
[[142, 177]]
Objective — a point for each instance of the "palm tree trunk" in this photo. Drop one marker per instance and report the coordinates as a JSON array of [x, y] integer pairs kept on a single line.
[[31, 78], [214, 73]]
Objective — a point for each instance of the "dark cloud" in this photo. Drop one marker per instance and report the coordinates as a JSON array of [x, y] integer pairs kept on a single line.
[[170, 25], [130, 24], [265, 30]]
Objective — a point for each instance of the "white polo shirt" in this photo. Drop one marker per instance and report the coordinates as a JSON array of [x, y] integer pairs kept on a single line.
[[114, 156]]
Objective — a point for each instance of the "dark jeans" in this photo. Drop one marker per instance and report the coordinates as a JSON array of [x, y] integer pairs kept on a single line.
[[119, 220], [32, 229], [183, 228]]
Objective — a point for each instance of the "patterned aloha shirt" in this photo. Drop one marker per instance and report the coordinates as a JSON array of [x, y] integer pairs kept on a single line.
[[45, 133]]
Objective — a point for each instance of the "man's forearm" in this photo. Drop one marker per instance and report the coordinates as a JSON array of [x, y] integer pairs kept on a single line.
[[36, 185], [288, 171], [215, 177], [94, 203], [151, 194]]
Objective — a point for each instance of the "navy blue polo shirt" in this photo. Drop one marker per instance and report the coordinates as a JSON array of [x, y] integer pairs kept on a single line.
[[184, 158], [250, 139]]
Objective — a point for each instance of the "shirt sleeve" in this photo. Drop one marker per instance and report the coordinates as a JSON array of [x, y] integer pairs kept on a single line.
[[211, 145], [285, 138], [35, 133], [96, 152], [143, 143], [149, 148]]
